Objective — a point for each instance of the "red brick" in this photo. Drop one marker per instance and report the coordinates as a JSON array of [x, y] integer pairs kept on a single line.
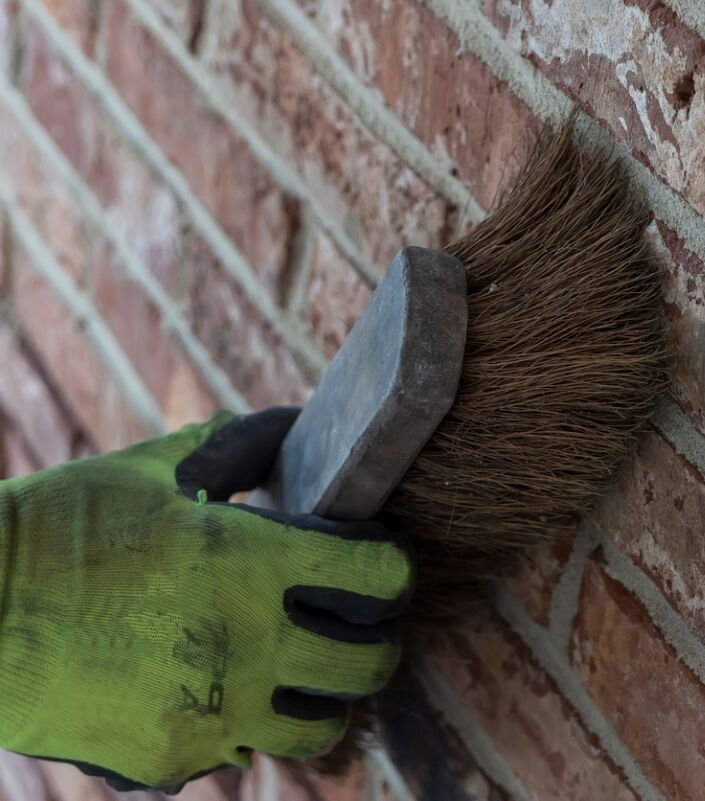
[[446, 96], [58, 101], [335, 296], [633, 66], [78, 18], [537, 575], [655, 512], [16, 458], [28, 403], [149, 221], [257, 362], [156, 356], [655, 703], [81, 375], [530, 724], [362, 185], [684, 292], [219, 167], [50, 209]]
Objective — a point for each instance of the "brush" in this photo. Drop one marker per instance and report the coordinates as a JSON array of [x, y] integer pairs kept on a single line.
[[564, 355]]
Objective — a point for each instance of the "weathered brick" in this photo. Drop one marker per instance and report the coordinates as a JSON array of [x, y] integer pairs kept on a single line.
[[362, 185], [655, 703], [335, 296], [78, 18], [16, 458], [50, 209], [537, 575], [219, 167], [530, 724], [28, 403], [82, 377], [655, 512], [634, 66], [253, 356], [58, 101], [156, 356], [684, 293], [446, 96]]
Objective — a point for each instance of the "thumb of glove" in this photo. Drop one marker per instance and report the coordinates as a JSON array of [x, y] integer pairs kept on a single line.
[[237, 457]]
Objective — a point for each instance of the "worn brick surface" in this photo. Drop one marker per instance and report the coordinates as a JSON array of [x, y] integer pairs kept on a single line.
[[684, 293], [632, 65], [334, 298], [535, 578], [655, 702], [448, 98], [78, 18], [655, 513], [256, 360], [219, 166], [29, 405], [375, 198], [532, 727], [16, 457], [78, 371]]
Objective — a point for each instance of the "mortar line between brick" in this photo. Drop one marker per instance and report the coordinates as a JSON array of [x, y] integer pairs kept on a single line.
[[369, 109], [477, 34], [172, 318], [104, 94], [560, 670], [84, 314], [280, 172], [566, 594], [692, 12], [473, 735], [689, 649], [675, 426], [388, 770]]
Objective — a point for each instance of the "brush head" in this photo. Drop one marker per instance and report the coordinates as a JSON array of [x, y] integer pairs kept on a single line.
[[565, 355]]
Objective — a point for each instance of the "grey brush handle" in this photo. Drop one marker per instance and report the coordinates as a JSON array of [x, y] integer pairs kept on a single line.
[[385, 393]]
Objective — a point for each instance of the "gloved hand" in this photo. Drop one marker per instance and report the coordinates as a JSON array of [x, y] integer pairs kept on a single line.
[[150, 634]]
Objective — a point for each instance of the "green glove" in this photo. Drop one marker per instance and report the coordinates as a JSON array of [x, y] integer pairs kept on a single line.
[[150, 634]]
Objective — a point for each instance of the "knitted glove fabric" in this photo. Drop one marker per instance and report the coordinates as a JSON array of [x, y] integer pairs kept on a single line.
[[150, 631]]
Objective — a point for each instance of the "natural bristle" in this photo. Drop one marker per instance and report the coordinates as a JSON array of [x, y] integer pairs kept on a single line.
[[565, 356]]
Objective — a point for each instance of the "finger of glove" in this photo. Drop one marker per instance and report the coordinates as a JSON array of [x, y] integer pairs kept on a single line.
[[364, 558], [238, 457], [322, 667], [287, 732]]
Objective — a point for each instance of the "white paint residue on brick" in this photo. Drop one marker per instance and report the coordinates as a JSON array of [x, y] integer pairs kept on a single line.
[[646, 67]]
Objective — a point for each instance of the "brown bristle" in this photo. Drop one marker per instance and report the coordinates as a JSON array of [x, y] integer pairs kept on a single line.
[[565, 355]]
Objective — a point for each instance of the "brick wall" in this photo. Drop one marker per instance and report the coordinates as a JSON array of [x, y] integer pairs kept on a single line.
[[197, 197]]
